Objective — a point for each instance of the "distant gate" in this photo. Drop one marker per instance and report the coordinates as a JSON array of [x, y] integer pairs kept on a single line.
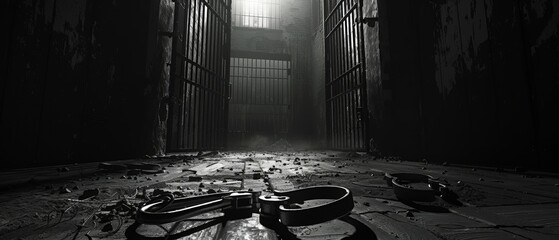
[[260, 98], [199, 94], [345, 75]]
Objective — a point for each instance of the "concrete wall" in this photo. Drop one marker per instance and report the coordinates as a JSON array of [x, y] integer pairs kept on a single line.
[[79, 81], [467, 81]]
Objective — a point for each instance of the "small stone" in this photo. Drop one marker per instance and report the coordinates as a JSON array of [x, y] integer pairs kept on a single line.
[[336, 175], [211, 191], [409, 214], [473, 169], [557, 184], [75, 188], [149, 179], [329, 183], [367, 204], [64, 190], [481, 179], [423, 168], [123, 177], [201, 185], [109, 178], [445, 171], [194, 178], [445, 163]]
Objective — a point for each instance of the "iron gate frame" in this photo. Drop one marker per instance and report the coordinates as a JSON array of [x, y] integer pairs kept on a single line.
[[199, 75], [345, 82], [268, 78]]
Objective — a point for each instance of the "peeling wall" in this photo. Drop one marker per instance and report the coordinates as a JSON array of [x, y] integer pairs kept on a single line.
[[75, 88], [468, 80]]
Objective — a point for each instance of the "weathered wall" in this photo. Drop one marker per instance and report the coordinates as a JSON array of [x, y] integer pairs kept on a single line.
[[317, 86], [468, 80], [76, 86]]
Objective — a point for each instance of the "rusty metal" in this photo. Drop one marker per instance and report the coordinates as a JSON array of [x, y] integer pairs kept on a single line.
[[345, 75], [199, 75]]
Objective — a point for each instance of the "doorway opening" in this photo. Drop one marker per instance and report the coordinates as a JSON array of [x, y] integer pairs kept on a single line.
[[243, 71]]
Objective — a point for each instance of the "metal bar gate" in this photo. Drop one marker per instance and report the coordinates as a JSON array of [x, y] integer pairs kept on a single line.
[[346, 104], [199, 86]]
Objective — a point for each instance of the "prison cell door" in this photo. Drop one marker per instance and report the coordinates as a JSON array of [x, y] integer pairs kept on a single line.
[[199, 75], [345, 75], [260, 99]]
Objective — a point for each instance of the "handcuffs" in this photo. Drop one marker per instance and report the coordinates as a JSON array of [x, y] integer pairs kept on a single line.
[[403, 191], [274, 209]]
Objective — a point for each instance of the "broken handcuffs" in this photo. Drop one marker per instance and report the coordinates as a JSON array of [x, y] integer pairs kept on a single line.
[[275, 210]]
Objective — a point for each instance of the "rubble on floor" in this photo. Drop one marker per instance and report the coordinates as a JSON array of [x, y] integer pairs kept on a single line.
[[102, 202]]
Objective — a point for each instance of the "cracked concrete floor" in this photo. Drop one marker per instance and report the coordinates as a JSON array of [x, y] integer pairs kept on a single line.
[[494, 204]]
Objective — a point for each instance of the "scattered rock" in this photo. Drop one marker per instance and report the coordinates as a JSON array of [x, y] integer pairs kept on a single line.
[[194, 178], [409, 214], [64, 190], [89, 194]]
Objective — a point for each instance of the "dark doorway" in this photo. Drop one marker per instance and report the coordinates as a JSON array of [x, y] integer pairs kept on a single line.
[[260, 99]]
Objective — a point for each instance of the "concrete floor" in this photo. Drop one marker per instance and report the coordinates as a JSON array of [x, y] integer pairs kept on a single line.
[[43, 203]]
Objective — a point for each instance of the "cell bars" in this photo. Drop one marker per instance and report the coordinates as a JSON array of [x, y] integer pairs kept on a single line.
[[261, 98], [199, 75], [256, 13], [345, 75]]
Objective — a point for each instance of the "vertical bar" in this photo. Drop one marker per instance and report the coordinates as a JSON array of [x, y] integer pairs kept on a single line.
[[363, 95]]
